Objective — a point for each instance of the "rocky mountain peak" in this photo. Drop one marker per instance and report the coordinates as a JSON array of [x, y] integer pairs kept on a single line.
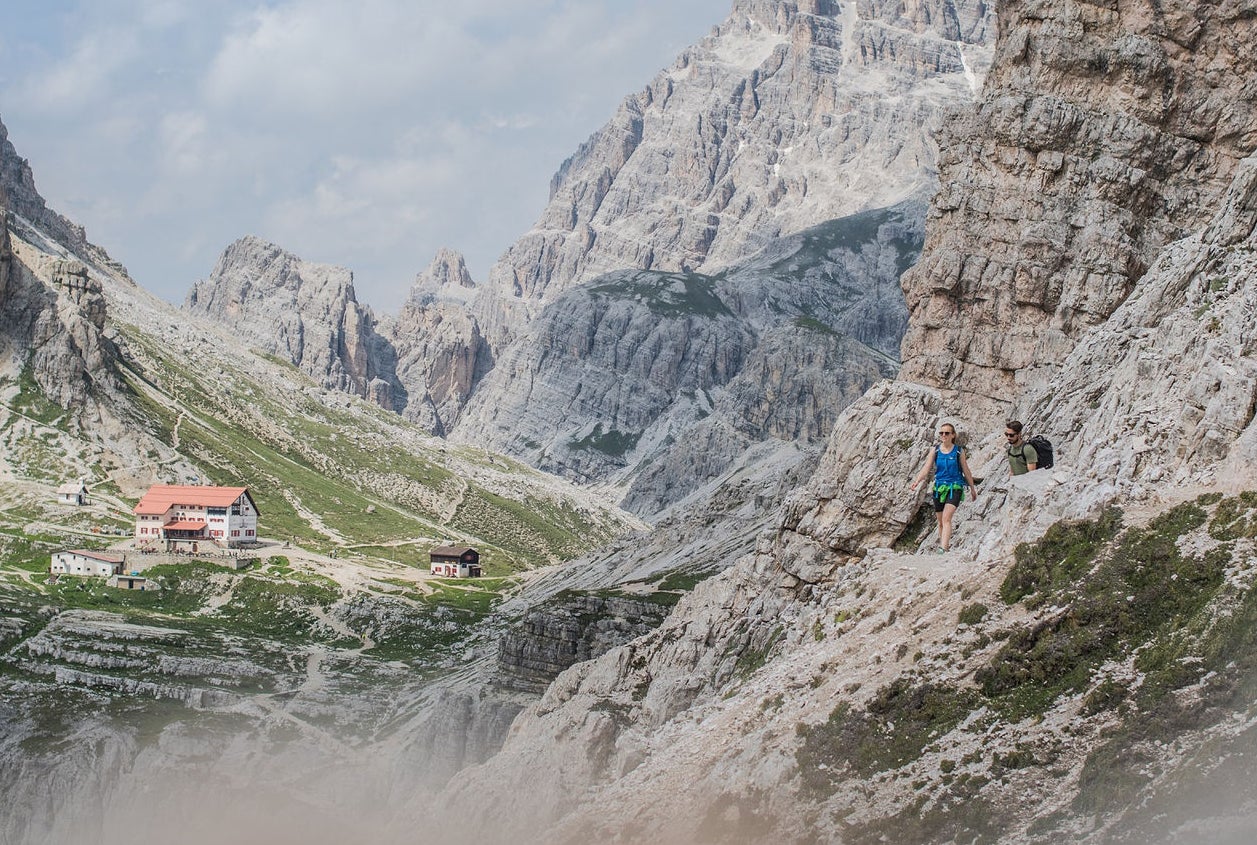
[[18, 186], [447, 275], [448, 267], [303, 311], [52, 310], [774, 14], [252, 267], [30, 213], [779, 120]]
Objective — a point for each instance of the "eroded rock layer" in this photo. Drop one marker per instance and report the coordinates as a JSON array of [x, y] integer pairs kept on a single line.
[[1105, 131]]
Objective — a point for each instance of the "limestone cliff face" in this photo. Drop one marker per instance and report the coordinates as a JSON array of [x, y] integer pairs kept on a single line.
[[787, 115], [1166, 394], [659, 381], [1105, 131], [304, 312], [440, 354], [570, 629], [6, 250], [52, 311], [58, 311]]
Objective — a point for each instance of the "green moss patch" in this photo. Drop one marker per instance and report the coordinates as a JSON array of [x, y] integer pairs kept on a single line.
[[32, 403], [615, 444], [1114, 597], [959, 816], [1066, 552], [1218, 652], [666, 294], [1235, 518], [1155, 597], [891, 731]]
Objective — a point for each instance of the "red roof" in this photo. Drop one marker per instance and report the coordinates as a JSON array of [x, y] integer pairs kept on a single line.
[[160, 497], [184, 525]]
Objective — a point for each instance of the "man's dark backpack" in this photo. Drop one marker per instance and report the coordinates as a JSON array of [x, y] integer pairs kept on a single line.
[[1042, 448]]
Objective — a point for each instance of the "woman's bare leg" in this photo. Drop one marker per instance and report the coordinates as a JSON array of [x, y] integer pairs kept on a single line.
[[944, 525]]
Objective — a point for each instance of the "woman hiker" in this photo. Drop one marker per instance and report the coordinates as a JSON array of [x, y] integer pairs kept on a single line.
[[951, 472]]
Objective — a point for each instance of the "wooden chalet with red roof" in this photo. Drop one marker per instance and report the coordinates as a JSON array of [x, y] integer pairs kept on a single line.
[[176, 517], [455, 562]]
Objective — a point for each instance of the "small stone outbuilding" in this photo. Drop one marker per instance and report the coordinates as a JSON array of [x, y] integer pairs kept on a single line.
[[132, 582], [74, 493]]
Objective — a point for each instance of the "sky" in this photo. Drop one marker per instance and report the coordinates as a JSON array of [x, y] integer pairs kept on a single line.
[[366, 134]]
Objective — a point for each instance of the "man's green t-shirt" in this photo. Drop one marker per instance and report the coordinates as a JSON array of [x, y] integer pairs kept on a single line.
[[1020, 458]]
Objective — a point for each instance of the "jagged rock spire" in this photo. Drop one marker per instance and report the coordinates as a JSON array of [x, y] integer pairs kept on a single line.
[[448, 269]]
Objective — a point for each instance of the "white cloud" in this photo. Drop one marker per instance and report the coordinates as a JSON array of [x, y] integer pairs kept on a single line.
[[85, 73], [366, 134], [183, 141], [318, 56], [164, 14]]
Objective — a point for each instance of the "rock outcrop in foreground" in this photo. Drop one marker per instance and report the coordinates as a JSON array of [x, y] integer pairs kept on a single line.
[[1067, 674]]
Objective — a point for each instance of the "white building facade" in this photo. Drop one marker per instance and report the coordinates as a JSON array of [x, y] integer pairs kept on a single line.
[[181, 517], [72, 494], [85, 562]]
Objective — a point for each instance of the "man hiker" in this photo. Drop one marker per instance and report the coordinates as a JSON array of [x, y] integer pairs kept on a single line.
[[1021, 455]]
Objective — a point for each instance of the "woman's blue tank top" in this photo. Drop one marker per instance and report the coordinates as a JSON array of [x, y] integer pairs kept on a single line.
[[947, 466]]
